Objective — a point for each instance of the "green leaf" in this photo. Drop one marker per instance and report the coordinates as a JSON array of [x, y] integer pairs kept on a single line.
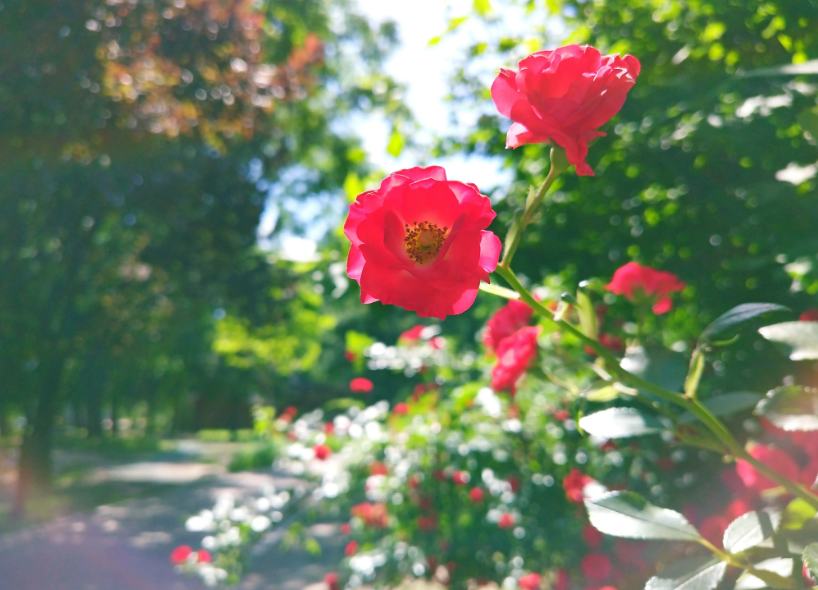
[[724, 325], [798, 513], [776, 573], [621, 423], [435, 40], [750, 529], [603, 394], [587, 315], [629, 515], [482, 7], [725, 405], [395, 145], [696, 573], [800, 337], [810, 556], [660, 366], [808, 120], [791, 407]]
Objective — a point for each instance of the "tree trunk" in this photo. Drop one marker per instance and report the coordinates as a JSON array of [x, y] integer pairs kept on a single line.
[[34, 470]]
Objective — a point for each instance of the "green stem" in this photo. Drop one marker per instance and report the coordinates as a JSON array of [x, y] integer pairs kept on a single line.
[[559, 163], [770, 577], [689, 404]]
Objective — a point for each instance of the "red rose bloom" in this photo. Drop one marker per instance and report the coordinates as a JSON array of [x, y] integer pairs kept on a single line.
[[179, 555], [773, 458], [505, 321], [477, 495], [506, 521], [562, 415], [400, 409], [529, 582], [563, 96], [331, 580], [635, 281], [351, 548], [596, 566], [373, 515], [419, 242], [574, 484], [204, 556], [321, 452], [361, 385], [514, 356], [346, 528], [811, 315]]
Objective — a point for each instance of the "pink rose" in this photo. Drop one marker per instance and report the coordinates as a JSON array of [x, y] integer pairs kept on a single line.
[[179, 555], [635, 281], [400, 408], [419, 242], [477, 495], [774, 458], [514, 355], [529, 582], [505, 321], [811, 315], [321, 452], [351, 548], [574, 485], [361, 385], [411, 336], [563, 96], [506, 521]]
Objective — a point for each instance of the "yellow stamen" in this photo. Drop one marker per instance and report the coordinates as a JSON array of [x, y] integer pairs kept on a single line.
[[423, 241]]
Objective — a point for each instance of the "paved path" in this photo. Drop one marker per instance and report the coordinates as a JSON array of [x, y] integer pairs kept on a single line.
[[125, 546]]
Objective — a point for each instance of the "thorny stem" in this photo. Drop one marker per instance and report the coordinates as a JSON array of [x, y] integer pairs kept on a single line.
[[688, 403]]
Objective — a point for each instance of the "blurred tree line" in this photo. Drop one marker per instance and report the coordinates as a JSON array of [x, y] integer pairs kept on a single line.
[[139, 139]]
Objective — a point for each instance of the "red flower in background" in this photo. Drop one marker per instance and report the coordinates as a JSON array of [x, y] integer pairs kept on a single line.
[[574, 484], [349, 356], [461, 478], [477, 495], [514, 355], [378, 468], [329, 428], [204, 556], [346, 528], [351, 548], [412, 335], [596, 566], [331, 580], [179, 555], [321, 452], [774, 458], [529, 581], [506, 521], [290, 411], [561, 580], [563, 96], [427, 523], [712, 528], [505, 321], [419, 242], [400, 409], [361, 385], [635, 281], [593, 538], [373, 515], [811, 315]]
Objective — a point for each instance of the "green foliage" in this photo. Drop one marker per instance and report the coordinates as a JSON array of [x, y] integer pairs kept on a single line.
[[801, 338], [696, 573], [628, 515], [750, 530], [791, 407]]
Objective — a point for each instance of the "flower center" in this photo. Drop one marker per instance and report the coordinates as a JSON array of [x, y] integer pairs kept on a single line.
[[423, 241]]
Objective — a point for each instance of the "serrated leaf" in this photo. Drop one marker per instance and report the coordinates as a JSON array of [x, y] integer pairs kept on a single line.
[[603, 394], [725, 405], [736, 316], [621, 423], [630, 516], [778, 572], [750, 529], [810, 557], [697, 573], [800, 337], [791, 407], [797, 514]]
